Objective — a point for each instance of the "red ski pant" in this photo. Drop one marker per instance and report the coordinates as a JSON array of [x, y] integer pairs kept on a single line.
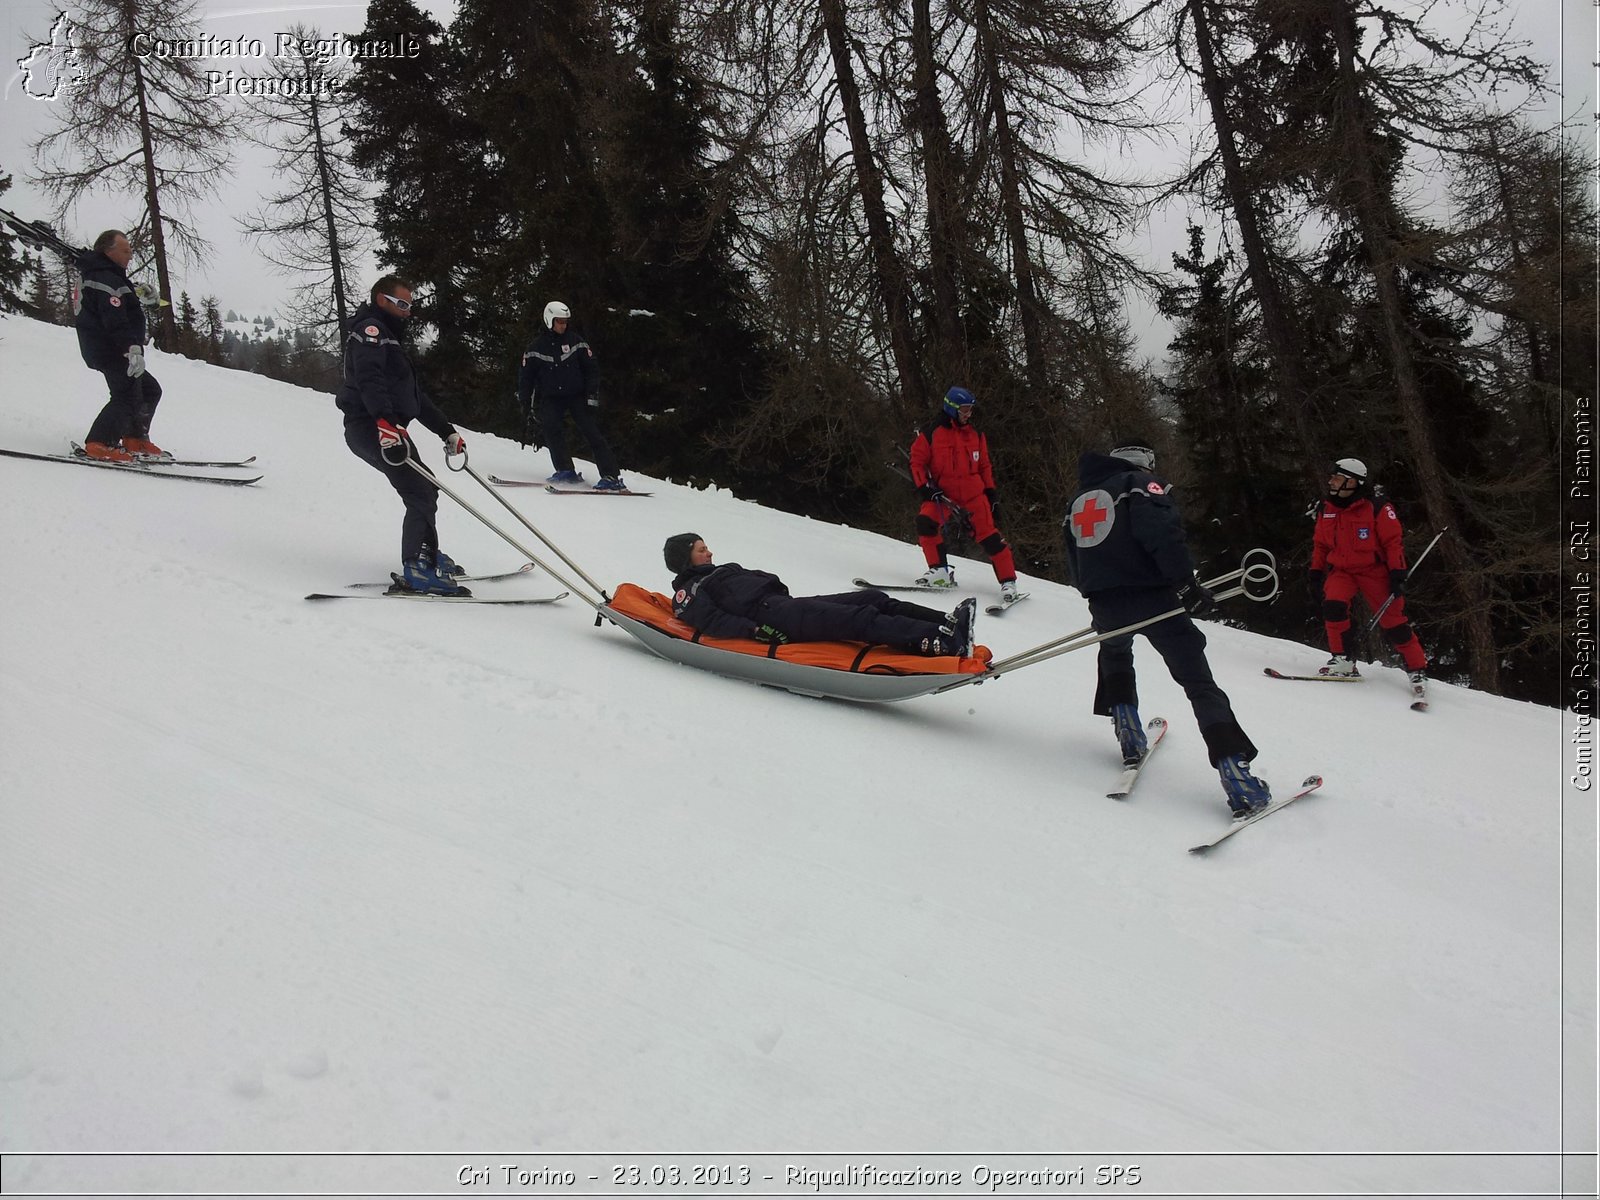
[[1373, 586], [931, 518]]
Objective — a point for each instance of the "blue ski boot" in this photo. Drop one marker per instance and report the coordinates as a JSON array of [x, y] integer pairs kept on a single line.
[[1130, 733], [448, 567], [610, 483], [566, 477], [422, 575], [1246, 793]]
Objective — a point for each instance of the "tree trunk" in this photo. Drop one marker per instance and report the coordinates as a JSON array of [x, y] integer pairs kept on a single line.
[[889, 272], [1369, 200], [1028, 305], [324, 177], [152, 193], [1281, 339], [944, 226]]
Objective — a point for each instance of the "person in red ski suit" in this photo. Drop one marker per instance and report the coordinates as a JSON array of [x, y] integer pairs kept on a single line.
[[950, 469], [1358, 548]]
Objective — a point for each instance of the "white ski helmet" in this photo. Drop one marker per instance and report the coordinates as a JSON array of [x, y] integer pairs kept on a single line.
[[556, 311], [1352, 467]]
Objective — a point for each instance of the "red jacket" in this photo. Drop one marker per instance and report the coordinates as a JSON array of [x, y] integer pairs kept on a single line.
[[954, 458], [1356, 538]]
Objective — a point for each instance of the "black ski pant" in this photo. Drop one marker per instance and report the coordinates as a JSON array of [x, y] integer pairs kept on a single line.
[[553, 412], [129, 411], [865, 616], [421, 497], [1181, 644]]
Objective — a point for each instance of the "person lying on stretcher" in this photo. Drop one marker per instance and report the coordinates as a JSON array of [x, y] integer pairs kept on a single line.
[[731, 601]]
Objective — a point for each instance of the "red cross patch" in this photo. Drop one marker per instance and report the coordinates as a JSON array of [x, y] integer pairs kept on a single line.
[[1155, 489], [371, 331], [1093, 514], [115, 303]]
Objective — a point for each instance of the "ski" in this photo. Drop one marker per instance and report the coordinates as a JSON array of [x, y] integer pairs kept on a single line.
[[1155, 729], [166, 460], [904, 587], [137, 468], [522, 570], [562, 491], [1268, 671], [1310, 784], [998, 610], [436, 599], [589, 491]]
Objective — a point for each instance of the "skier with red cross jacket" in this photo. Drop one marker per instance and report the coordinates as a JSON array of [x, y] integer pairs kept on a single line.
[[1358, 546], [1126, 553], [951, 471]]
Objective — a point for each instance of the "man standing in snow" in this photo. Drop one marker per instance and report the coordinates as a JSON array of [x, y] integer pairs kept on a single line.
[[950, 469], [1358, 546], [379, 398], [111, 338], [1126, 553], [733, 602], [559, 379]]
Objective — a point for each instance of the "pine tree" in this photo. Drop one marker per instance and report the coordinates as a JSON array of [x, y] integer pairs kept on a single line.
[[212, 349]]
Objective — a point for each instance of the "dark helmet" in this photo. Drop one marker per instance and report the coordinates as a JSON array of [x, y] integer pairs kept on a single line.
[[676, 552]]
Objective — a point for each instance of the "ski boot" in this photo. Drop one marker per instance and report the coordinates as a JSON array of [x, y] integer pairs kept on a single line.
[[422, 575], [1340, 666], [1246, 793], [566, 477], [1130, 733], [939, 577], [102, 452], [448, 567], [1008, 591], [146, 449], [609, 483], [958, 628]]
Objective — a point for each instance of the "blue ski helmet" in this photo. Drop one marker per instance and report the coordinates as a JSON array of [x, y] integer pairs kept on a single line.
[[958, 397]]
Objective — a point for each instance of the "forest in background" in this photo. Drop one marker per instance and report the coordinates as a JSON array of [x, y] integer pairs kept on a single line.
[[787, 228]]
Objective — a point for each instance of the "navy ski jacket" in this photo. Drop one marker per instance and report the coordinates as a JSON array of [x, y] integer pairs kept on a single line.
[[557, 366], [1123, 530], [379, 381], [718, 600], [109, 316]]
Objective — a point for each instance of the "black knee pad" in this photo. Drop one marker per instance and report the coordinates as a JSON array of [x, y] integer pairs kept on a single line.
[[993, 544], [1335, 610], [1398, 635], [927, 526]]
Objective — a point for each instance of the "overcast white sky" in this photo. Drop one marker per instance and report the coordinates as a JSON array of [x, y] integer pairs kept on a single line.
[[1561, 32]]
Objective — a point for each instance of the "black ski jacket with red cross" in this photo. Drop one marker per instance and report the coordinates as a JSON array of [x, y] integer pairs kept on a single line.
[[1123, 530], [109, 316]]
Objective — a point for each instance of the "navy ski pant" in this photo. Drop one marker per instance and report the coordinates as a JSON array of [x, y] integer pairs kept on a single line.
[[864, 616], [1181, 644], [129, 410], [552, 423], [421, 497]]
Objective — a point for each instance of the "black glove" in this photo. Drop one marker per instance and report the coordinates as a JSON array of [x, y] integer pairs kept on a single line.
[[1397, 582], [1314, 582], [1197, 599], [931, 491], [994, 503], [769, 633]]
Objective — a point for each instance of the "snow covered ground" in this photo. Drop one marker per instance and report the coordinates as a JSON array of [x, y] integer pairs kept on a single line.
[[287, 877]]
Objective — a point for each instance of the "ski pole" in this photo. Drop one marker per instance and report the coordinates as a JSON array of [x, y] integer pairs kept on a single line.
[[1253, 576], [465, 466], [530, 555], [1378, 616]]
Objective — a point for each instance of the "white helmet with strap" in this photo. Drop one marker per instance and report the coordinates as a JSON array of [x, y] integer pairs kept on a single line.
[[556, 311]]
